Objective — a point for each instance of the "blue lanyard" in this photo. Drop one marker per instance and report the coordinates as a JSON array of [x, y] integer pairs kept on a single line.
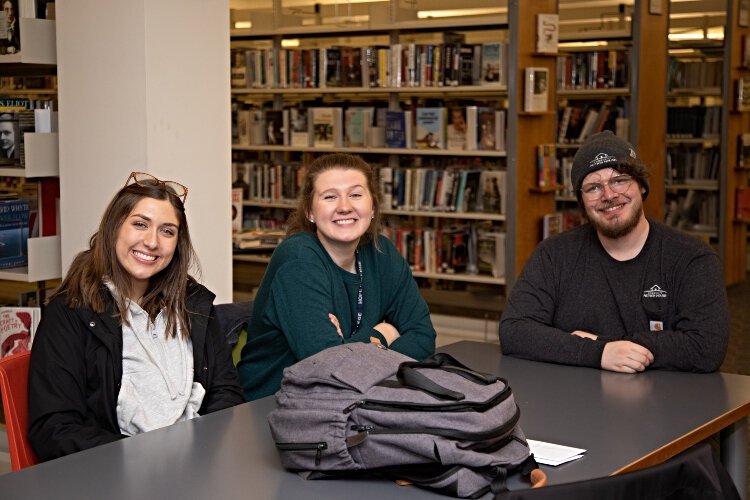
[[360, 297]]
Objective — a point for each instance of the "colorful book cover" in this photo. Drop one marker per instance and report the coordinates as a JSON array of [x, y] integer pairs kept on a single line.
[[276, 127], [547, 33], [491, 253], [323, 127], [17, 328], [357, 126], [299, 121], [536, 89], [351, 66], [457, 129], [395, 129], [492, 63], [493, 191], [486, 129], [14, 233], [546, 166], [430, 128]]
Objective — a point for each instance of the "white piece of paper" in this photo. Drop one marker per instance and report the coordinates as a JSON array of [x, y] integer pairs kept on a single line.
[[554, 454]]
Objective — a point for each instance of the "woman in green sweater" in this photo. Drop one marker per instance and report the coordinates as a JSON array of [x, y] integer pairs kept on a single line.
[[334, 280]]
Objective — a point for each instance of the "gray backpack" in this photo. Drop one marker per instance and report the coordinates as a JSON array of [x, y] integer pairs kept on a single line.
[[437, 424]]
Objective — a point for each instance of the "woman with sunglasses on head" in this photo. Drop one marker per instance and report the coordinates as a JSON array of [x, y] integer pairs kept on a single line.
[[334, 280], [128, 343]]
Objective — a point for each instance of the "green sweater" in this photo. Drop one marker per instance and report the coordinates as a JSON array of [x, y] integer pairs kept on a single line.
[[302, 285]]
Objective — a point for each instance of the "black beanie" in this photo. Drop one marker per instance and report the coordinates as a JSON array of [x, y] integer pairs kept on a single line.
[[602, 150]]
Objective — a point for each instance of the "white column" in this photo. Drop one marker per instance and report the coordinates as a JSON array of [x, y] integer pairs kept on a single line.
[[144, 85]]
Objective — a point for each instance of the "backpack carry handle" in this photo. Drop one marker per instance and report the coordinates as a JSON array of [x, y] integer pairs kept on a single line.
[[408, 375]]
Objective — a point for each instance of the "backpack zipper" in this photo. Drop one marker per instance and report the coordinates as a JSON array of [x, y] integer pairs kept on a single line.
[[365, 430], [319, 447], [372, 404]]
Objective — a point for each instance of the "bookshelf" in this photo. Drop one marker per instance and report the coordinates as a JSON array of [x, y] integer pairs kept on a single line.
[[693, 137], [523, 207], [36, 57], [733, 231], [593, 94]]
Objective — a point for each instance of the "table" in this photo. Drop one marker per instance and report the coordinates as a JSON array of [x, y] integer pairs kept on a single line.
[[624, 421]]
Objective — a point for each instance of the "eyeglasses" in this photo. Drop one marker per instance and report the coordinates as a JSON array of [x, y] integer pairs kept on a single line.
[[147, 180], [617, 184]]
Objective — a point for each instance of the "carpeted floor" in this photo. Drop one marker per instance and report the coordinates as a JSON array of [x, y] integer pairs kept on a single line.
[[738, 355]]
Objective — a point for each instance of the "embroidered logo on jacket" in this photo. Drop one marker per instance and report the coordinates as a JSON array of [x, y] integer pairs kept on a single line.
[[655, 292]]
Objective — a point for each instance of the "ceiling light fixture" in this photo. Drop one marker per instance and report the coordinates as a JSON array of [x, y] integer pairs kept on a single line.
[[426, 14]]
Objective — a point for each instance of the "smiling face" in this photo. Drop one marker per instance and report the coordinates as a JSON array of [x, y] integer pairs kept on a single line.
[[342, 209], [7, 135], [146, 242], [612, 214]]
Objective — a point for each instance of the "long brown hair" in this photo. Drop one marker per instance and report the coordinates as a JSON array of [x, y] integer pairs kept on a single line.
[[298, 220], [83, 284]]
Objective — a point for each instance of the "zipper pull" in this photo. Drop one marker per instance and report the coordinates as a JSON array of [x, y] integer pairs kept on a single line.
[[354, 405], [362, 428], [319, 453]]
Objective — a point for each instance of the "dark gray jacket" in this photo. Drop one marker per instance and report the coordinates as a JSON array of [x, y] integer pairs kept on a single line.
[[76, 371], [670, 298]]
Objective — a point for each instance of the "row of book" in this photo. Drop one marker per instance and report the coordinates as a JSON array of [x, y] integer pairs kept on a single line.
[[475, 249], [446, 64], [19, 116], [687, 122], [41, 198], [576, 122], [599, 69], [268, 181], [692, 165], [439, 189], [14, 233], [694, 74], [28, 82], [457, 190], [693, 210], [455, 128]]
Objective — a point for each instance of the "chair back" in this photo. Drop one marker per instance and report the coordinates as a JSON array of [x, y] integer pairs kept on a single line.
[[14, 382]]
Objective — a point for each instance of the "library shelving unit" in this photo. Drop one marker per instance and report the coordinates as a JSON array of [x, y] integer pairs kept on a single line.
[[733, 231], [37, 56], [593, 82], [523, 132], [693, 140]]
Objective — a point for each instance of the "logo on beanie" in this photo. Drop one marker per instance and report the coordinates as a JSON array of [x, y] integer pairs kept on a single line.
[[602, 159]]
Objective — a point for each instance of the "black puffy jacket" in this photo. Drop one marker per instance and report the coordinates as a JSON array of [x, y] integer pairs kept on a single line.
[[76, 371]]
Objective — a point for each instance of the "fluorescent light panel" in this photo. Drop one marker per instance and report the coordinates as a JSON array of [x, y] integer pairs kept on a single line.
[[425, 14]]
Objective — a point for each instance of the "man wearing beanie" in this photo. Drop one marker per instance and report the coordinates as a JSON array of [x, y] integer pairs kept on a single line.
[[623, 292]]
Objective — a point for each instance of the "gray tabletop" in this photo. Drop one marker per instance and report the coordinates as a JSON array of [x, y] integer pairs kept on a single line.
[[619, 419]]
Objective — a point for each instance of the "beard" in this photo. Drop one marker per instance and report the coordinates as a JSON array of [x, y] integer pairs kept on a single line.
[[620, 227]]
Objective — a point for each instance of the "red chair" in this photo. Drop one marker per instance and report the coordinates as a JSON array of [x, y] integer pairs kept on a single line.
[[14, 381]]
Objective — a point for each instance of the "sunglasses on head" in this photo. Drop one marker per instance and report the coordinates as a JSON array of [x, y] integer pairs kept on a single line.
[[147, 180]]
